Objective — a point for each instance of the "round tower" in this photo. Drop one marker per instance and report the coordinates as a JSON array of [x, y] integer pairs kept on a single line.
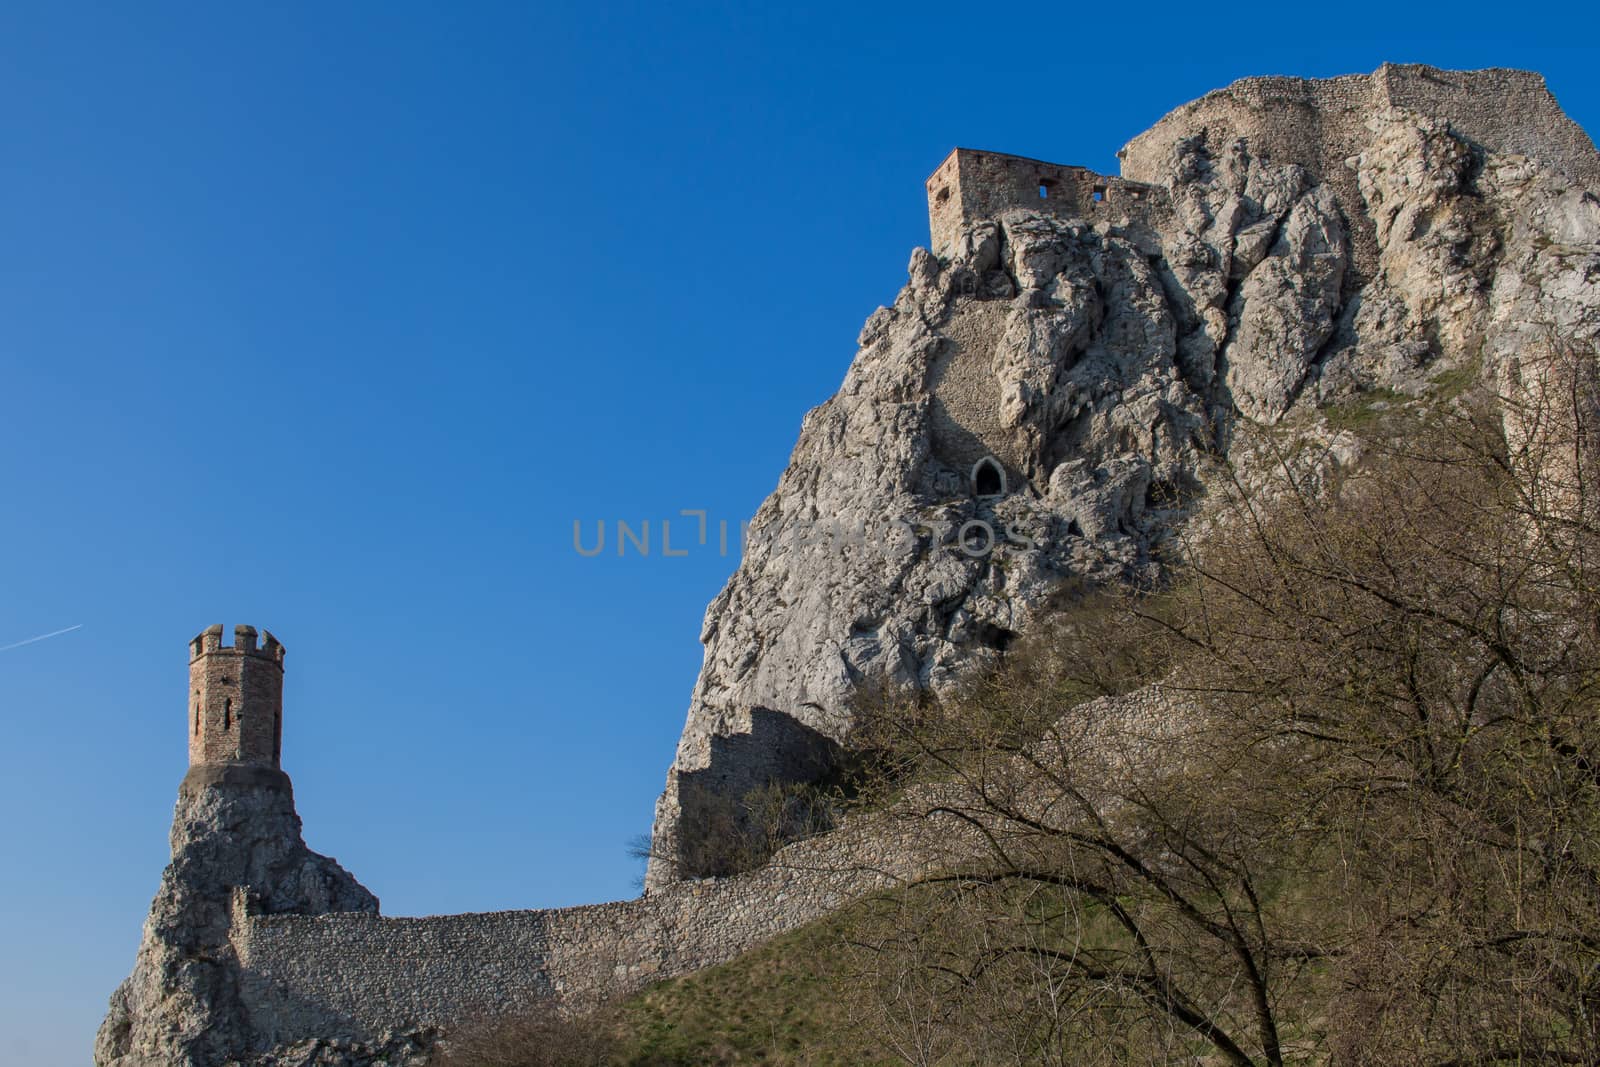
[[235, 699]]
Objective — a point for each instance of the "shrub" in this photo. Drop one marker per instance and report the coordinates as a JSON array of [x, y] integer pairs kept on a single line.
[[537, 1038]]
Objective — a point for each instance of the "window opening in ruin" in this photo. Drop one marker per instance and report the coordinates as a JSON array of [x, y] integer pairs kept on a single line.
[[1045, 185], [1099, 193], [944, 194], [227, 714]]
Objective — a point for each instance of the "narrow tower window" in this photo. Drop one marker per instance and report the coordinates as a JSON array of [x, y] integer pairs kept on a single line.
[[197, 720], [227, 714]]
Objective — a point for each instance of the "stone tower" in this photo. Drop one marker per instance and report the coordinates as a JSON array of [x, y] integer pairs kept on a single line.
[[236, 851], [235, 700]]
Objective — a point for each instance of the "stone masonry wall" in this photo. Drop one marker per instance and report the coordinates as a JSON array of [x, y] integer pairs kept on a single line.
[[360, 977], [971, 185], [1321, 123], [357, 977]]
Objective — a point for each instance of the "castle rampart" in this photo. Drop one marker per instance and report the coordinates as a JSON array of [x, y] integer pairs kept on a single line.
[[309, 969], [359, 976], [1321, 124]]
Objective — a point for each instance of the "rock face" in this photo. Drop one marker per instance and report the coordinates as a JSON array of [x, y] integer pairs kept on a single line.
[[235, 826], [1043, 404], [1319, 242]]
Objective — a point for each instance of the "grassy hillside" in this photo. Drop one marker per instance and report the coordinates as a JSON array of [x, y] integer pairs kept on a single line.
[[783, 1004], [1357, 822]]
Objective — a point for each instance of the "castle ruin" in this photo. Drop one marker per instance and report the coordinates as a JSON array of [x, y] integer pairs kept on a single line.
[[999, 386], [971, 185], [258, 944]]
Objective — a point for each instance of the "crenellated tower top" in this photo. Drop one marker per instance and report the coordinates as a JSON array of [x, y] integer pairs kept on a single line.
[[235, 699]]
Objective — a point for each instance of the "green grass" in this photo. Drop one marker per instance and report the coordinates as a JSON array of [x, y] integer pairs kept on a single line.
[[780, 1004], [1453, 382], [1363, 411]]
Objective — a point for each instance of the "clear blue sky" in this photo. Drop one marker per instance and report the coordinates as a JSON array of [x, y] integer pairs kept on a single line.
[[331, 318]]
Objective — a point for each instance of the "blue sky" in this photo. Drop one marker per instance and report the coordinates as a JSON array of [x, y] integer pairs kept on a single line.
[[332, 318]]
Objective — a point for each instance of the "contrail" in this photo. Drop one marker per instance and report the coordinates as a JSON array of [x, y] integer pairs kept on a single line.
[[41, 637]]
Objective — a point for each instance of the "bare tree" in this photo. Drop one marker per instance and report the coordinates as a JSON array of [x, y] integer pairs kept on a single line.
[[539, 1037], [1356, 820]]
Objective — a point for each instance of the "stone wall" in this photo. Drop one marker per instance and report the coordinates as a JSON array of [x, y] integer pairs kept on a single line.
[[965, 420], [1321, 123], [361, 978], [1505, 111], [971, 185], [356, 977]]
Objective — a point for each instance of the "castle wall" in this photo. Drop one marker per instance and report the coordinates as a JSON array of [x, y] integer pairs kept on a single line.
[[1503, 110], [964, 417], [945, 215], [355, 976], [358, 976], [1320, 124]]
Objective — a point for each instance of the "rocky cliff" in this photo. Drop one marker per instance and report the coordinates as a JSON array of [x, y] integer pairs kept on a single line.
[[1042, 405], [1319, 243], [234, 827]]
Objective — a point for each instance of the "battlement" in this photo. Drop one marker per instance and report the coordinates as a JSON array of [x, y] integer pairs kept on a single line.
[[209, 641], [236, 699], [971, 185]]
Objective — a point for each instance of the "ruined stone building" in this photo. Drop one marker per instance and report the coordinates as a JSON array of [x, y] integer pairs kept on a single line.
[[971, 185]]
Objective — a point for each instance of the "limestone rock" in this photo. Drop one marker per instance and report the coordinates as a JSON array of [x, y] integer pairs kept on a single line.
[[1285, 309], [877, 563], [234, 828], [1314, 241], [1048, 401]]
